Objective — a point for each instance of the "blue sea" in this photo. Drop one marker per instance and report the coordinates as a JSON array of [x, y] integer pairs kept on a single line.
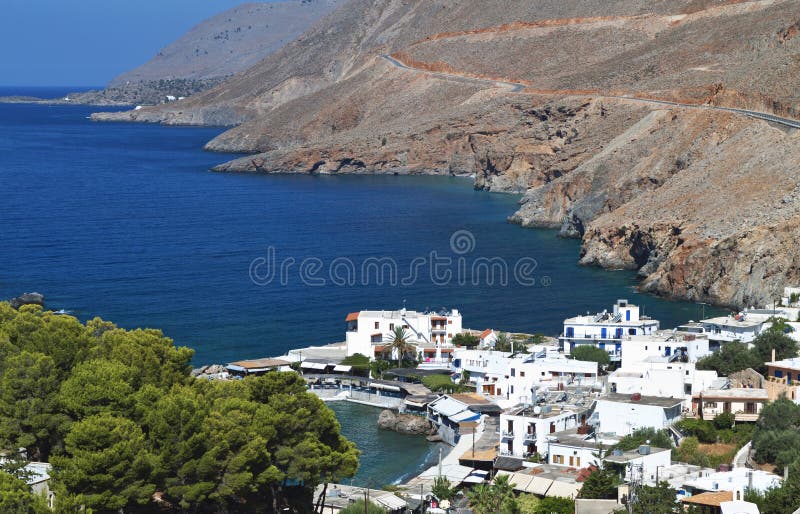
[[126, 222]]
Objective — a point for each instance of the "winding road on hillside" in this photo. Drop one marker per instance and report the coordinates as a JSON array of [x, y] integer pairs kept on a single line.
[[519, 87]]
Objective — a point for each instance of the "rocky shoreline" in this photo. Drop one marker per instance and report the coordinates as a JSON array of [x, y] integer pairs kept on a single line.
[[408, 424]]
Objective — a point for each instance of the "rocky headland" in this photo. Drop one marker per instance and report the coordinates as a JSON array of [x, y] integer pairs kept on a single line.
[[602, 113], [207, 55]]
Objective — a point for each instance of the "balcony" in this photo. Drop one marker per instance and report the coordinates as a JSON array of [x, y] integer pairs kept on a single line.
[[530, 438], [744, 416], [507, 434]]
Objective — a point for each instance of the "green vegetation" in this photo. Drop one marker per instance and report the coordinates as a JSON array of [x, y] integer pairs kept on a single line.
[[359, 508], [656, 438], [776, 439], [728, 439], [443, 383], [466, 340], [735, 356], [496, 498], [591, 353], [119, 418], [660, 498], [442, 488], [530, 504], [360, 364], [16, 497], [601, 484], [503, 342], [401, 346]]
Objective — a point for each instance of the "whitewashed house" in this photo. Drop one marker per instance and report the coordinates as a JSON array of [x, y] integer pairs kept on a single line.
[[575, 450], [641, 463], [622, 414], [513, 378], [452, 418], [526, 430], [605, 330], [370, 333], [744, 403], [487, 338], [663, 379], [666, 345]]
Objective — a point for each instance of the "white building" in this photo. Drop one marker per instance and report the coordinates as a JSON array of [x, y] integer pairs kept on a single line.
[[453, 418], [370, 333], [734, 480], [664, 379], [744, 403], [513, 378], [622, 414], [743, 327], [642, 463], [606, 330], [526, 429], [575, 450], [487, 338], [672, 345]]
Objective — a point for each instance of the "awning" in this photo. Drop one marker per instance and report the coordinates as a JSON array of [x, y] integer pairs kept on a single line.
[[467, 415], [455, 473], [385, 387], [391, 502], [538, 486], [476, 477], [447, 406], [564, 489], [343, 368], [519, 481], [313, 365]]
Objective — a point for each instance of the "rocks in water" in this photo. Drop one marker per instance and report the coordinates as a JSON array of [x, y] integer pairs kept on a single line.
[[27, 299], [403, 423]]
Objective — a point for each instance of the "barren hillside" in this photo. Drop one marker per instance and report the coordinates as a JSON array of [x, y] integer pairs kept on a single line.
[[541, 98]]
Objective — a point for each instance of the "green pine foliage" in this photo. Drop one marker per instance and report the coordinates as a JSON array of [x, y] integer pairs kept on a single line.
[[587, 352], [118, 416]]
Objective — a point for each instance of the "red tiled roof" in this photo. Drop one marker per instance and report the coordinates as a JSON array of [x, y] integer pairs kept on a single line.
[[486, 333], [438, 318], [352, 316]]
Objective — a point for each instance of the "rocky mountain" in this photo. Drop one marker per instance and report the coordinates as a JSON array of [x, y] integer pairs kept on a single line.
[[604, 113], [211, 52]]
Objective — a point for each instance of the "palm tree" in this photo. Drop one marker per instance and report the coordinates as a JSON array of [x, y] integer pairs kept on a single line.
[[399, 342]]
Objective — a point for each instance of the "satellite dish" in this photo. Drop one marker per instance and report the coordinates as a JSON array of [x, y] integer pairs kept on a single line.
[[537, 410]]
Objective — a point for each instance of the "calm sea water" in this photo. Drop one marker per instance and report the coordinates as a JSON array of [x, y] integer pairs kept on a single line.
[[125, 222]]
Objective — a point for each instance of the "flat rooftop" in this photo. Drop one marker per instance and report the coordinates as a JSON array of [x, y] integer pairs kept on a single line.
[[793, 363], [730, 321], [260, 363], [656, 401], [630, 455], [743, 393], [573, 439]]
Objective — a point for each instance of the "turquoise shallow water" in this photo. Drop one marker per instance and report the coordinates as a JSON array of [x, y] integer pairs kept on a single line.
[[125, 222], [386, 457]]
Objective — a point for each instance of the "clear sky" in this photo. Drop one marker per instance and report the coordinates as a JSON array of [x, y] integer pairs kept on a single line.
[[88, 42]]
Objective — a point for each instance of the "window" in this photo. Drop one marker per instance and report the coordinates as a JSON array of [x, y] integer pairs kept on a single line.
[[377, 325], [631, 331], [522, 374], [558, 459], [391, 326], [577, 462], [511, 389], [513, 372]]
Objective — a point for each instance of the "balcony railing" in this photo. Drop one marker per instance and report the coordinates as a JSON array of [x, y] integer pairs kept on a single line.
[[507, 434], [530, 438]]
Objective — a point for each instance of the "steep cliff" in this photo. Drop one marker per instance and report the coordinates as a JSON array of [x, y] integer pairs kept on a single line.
[[566, 101]]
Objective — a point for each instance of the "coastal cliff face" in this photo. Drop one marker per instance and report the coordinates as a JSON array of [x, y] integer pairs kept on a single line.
[[555, 101]]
